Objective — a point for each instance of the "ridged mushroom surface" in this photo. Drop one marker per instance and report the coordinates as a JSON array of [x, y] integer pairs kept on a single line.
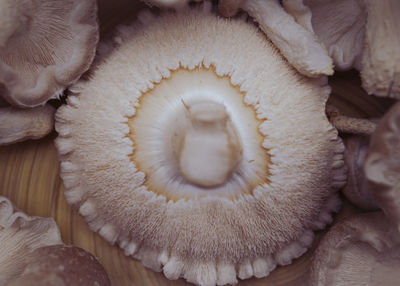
[[44, 47], [19, 236], [205, 155], [360, 250]]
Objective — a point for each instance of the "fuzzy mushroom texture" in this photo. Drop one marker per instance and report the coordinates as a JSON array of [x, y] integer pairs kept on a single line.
[[44, 47], [298, 45], [32, 251], [204, 155], [364, 34], [360, 250], [382, 164], [21, 124]]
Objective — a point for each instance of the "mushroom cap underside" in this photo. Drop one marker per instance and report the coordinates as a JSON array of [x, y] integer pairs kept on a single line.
[[129, 148], [52, 45]]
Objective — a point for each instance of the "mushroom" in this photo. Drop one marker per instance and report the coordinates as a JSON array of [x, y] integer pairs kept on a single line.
[[204, 155], [360, 250], [364, 34], [21, 124], [32, 250], [298, 45], [44, 47], [358, 189], [382, 164]]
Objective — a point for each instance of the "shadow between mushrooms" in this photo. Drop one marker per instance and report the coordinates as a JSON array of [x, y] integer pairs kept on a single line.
[[32, 253], [199, 150], [44, 47]]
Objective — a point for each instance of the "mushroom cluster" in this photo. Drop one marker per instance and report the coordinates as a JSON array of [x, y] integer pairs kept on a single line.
[[32, 252], [202, 145]]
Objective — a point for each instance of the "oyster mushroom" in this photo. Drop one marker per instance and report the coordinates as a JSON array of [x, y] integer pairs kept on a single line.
[[44, 47], [21, 124], [299, 46], [361, 250], [364, 34], [32, 250], [204, 155], [382, 164]]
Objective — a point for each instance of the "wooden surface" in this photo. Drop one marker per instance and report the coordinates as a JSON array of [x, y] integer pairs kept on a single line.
[[29, 176]]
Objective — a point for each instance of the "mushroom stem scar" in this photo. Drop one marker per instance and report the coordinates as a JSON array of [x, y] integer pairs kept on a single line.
[[210, 147]]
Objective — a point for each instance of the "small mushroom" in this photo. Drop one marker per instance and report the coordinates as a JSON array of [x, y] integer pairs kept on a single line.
[[361, 250], [382, 164], [204, 155], [364, 34], [44, 47], [32, 252], [298, 45], [22, 124]]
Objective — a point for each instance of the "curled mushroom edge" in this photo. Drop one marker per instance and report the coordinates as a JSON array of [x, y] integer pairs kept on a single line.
[[183, 225], [45, 46]]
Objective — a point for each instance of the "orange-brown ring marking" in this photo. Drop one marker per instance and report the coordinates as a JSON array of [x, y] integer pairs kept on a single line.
[[131, 136]]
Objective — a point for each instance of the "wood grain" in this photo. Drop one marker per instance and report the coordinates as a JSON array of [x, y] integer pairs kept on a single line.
[[29, 176]]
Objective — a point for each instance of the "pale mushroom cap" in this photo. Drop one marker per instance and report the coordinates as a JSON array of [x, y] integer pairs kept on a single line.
[[297, 44], [170, 95], [53, 45], [21, 124], [380, 71], [340, 25], [382, 164], [19, 236], [361, 250]]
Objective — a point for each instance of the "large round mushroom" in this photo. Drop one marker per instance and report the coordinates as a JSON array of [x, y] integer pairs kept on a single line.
[[204, 154]]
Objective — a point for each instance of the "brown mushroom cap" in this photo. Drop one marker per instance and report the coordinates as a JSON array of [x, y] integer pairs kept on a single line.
[[135, 149], [53, 43], [382, 164], [361, 250], [61, 265]]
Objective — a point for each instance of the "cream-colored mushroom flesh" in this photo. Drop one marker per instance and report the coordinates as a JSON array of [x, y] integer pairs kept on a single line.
[[205, 155], [44, 46], [360, 250], [380, 71], [19, 236], [382, 164], [339, 24]]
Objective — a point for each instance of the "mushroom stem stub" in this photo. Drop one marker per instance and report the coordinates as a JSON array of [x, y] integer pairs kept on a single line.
[[210, 148]]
